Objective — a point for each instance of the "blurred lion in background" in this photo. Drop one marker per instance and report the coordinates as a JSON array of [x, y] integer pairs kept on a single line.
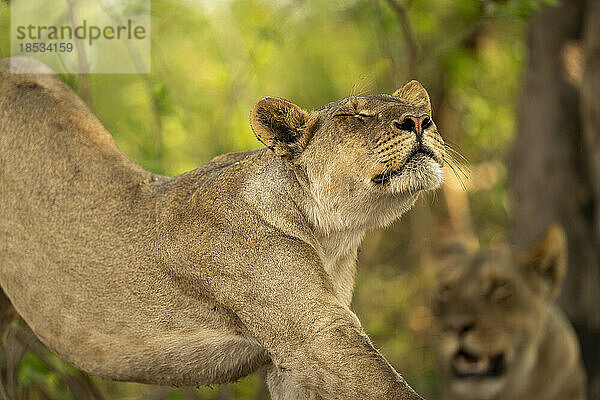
[[498, 332]]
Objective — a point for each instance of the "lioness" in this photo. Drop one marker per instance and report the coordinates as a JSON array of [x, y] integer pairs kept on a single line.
[[245, 262], [501, 336]]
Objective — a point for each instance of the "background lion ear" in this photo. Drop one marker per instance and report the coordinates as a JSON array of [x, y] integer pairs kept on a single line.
[[545, 265], [414, 93], [279, 125]]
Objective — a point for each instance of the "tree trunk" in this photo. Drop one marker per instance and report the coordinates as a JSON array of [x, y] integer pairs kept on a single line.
[[554, 164]]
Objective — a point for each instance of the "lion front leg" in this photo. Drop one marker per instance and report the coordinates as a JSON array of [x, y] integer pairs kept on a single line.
[[314, 341]]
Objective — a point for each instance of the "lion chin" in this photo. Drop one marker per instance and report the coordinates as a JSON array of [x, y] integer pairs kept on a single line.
[[477, 375], [420, 173], [480, 389]]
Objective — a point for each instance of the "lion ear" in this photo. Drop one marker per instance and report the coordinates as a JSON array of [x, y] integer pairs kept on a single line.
[[545, 265], [414, 93], [279, 125]]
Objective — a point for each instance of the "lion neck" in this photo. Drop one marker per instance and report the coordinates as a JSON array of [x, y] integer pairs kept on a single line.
[[555, 353], [557, 356], [333, 225], [333, 206], [339, 222]]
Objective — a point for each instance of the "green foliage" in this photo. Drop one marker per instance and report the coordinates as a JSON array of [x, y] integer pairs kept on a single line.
[[211, 61], [4, 24], [522, 8]]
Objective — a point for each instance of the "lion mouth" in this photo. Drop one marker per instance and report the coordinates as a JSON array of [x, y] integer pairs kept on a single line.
[[468, 365], [385, 177]]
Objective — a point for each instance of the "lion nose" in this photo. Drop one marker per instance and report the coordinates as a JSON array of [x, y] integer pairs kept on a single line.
[[418, 124], [414, 124], [460, 328]]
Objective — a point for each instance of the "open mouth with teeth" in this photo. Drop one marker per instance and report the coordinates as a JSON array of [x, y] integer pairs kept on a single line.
[[468, 365], [385, 177]]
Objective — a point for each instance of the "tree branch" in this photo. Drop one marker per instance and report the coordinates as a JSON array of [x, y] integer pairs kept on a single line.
[[83, 84], [411, 44]]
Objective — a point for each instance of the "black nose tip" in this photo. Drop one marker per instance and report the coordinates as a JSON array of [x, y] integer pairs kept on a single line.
[[466, 328], [426, 123], [460, 328], [407, 125], [414, 124]]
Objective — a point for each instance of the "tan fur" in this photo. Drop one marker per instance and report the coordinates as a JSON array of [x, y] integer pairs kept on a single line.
[[492, 303], [243, 263]]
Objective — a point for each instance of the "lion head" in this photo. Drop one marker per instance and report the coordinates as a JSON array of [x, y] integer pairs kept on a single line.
[[363, 160], [491, 311]]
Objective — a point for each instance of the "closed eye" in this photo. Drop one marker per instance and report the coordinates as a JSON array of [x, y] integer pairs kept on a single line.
[[500, 290], [356, 115]]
